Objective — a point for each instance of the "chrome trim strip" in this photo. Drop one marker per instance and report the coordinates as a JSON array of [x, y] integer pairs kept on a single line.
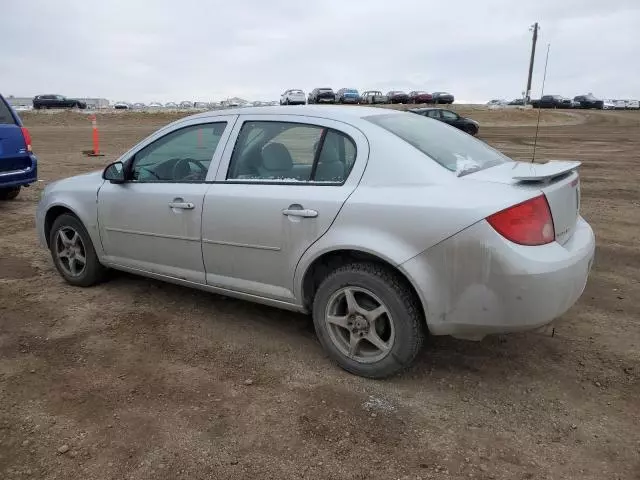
[[243, 245], [151, 234]]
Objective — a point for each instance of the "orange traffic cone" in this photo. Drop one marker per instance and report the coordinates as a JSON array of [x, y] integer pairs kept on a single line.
[[96, 140]]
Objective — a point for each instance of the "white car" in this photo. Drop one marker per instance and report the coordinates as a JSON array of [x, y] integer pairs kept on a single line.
[[632, 104], [619, 104], [293, 97], [155, 105], [608, 104], [497, 103], [383, 225]]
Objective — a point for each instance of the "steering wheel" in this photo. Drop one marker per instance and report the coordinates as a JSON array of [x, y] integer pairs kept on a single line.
[[182, 162]]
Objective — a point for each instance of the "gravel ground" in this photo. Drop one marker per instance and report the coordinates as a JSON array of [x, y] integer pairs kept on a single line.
[[138, 379]]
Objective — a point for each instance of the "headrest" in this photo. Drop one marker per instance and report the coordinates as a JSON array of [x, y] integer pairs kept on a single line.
[[276, 157]]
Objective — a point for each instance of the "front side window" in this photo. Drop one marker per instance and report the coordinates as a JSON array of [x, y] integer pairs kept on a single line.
[[451, 148], [291, 152], [449, 115], [180, 156]]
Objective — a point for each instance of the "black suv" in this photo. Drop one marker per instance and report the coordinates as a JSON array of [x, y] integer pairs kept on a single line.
[[56, 101], [322, 95], [589, 101]]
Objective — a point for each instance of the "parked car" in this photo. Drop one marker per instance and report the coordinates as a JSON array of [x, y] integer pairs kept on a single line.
[[497, 103], [322, 95], [293, 97], [633, 104], [608, 104], [56, 101], [18, 164], [139, 106], [396, 96], [589, 101], [452, 118], [154, 105], [373, 97], [374, 279], [172, 105], [347, 95], [619, 104], [419, 96], [121, 106], [517, 101], [549, 101], [202, 105], [186, 104], [442, 97]]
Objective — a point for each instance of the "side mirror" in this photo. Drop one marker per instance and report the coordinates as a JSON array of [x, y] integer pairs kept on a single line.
[[114, 172]]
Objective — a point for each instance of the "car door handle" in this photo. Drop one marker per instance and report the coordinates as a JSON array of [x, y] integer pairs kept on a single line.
[[182, 205], [296, 212]]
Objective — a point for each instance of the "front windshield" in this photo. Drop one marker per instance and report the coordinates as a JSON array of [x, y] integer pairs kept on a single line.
[[454, 150]]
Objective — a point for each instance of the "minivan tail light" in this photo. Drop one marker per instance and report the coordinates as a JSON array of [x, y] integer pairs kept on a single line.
[[27, 138], [528, 223]]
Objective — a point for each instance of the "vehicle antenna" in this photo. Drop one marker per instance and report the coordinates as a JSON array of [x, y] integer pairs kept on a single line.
[[544, 78]]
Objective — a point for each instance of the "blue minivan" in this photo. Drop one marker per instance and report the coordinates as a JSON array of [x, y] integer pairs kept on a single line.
[[18, 164]]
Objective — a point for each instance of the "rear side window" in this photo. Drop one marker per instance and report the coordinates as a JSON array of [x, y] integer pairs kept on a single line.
[[448, 146], [6, 117], [277, 152]]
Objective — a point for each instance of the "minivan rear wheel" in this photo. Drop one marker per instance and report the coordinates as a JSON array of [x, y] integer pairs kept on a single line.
[[9, 193], [368, 320]]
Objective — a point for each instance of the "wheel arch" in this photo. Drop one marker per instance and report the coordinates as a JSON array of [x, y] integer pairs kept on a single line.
[[50, 217], [318, 268]]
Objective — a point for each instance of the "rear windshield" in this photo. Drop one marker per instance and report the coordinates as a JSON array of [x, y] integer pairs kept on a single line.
[[5, 114], [325, 89], [296, 91], [454, 150]]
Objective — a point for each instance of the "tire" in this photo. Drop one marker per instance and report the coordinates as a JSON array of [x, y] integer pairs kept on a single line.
[[471, 130], [9, 193], [286, 102], [93, 271], [403, 322]]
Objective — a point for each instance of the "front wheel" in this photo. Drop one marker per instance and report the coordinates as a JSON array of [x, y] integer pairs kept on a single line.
[[73, 253], [368, 320], [9, 193]]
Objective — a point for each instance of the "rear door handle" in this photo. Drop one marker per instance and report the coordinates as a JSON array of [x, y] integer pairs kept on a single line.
[[182, 205], [304, 212]]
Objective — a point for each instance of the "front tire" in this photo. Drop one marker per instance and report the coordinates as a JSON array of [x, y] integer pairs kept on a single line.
[[9, 193], [73, 253], [368, 320]]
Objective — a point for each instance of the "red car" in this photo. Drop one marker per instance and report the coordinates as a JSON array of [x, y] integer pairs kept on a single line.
[[418, 96]]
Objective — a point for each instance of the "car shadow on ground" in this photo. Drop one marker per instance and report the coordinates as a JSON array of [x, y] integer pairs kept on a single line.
[[499, 356]]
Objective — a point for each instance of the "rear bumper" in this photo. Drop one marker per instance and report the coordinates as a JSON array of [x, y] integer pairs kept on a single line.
[[20, 177], [478, 283], [349, 99]]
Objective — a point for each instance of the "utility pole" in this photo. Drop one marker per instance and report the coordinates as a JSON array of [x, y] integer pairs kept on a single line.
[[534, 28]]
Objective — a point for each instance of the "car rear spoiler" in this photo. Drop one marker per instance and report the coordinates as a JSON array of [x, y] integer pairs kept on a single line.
[[538, 172]]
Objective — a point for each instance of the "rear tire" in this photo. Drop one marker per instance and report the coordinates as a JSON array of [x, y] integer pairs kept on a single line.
[[70, 243], [344, 320], [9, 193], [471, 130]]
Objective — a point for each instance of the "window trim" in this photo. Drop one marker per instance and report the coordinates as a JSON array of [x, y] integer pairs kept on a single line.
[[129, 163], [325, 130]]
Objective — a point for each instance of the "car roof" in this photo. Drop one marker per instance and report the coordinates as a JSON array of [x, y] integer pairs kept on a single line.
[[334, 112]]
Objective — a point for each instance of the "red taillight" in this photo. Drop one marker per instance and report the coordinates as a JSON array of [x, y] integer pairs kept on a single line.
[[27, 138], [528, 223]]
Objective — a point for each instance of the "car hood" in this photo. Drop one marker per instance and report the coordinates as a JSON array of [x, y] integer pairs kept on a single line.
[[85, 181]]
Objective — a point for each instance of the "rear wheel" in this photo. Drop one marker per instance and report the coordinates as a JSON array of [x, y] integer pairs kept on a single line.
[[9, 193], [73, 253], [368, 320]]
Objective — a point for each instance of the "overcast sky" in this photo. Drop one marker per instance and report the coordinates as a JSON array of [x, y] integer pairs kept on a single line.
[[173, 50]]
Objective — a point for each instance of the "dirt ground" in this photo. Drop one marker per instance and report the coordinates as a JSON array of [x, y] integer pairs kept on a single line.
[[136, 379]]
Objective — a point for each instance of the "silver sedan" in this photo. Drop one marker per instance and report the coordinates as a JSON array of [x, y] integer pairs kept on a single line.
[[384, 225]]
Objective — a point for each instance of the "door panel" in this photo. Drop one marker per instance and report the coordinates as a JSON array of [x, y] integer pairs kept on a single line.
[[139, 228], [250, 244]]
